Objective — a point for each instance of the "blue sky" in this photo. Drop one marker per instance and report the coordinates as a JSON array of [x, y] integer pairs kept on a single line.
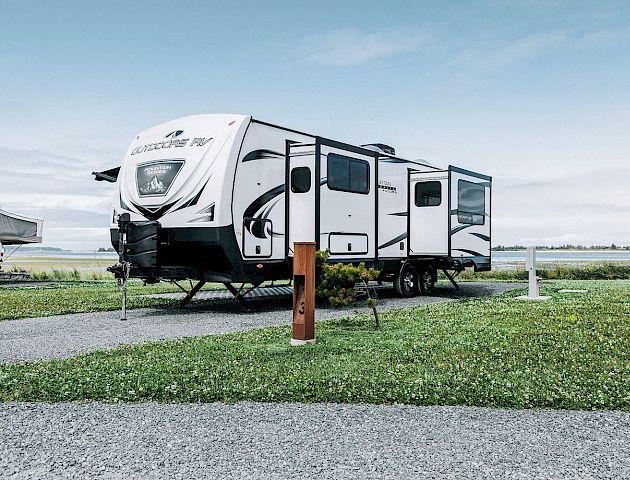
[[535, 94]]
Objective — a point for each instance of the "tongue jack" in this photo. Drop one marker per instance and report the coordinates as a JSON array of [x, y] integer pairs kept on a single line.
[[121, 269]]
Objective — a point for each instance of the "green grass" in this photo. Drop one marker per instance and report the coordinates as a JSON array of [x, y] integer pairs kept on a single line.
[[570, 352], [75, 297], [64, 296]]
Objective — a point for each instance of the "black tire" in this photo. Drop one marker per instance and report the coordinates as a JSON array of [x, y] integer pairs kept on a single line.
[[426, 279], [406, 282]]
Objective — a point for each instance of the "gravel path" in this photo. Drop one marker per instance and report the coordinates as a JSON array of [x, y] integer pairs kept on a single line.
[[66, 335], [251, 440]]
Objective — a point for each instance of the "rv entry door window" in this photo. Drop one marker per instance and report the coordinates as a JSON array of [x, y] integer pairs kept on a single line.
[[300, 179]]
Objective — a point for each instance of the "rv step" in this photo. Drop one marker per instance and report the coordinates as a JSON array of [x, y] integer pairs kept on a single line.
[[263, 292]]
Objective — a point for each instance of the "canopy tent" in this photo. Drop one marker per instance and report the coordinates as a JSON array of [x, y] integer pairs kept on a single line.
[[17, 229]]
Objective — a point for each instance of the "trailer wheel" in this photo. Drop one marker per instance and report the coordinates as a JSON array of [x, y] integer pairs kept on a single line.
[[406, 282], [426, 279]]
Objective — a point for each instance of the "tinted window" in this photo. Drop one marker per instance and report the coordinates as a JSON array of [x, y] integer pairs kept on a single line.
[[348, 174], [428, 194], [300, 179], [471, 203]]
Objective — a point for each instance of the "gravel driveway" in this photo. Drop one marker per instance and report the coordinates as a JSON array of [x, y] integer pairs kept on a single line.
[[66, 335], [251, 440]]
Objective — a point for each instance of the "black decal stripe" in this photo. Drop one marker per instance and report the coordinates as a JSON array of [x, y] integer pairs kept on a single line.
[[472, 252], [268, 211], [154, 214], [123, 205], [457, 229], [250, 212], [481, 235], [262, 200], [193, 201], [261, 154], [399, 214], [399, 238], [256, 205]]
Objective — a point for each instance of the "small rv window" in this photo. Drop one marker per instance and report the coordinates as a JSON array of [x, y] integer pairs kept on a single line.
[[428, 194], [471, 203], [348, 174], [300, 179]]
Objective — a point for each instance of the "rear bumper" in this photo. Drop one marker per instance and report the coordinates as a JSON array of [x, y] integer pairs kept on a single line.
[[208, 253]]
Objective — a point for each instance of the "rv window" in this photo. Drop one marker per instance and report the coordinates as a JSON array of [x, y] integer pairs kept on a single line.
[[300, 179], [348, 174], [428, 194], [471, 203]]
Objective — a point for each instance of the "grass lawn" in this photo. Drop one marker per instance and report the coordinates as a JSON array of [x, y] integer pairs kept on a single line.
[[570, 352], [59, 298]]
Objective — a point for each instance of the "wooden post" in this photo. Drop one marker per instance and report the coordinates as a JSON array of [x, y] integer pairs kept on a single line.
[[303, 293]]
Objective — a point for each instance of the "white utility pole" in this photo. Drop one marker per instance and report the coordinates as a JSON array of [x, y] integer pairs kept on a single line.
[[530, 266]]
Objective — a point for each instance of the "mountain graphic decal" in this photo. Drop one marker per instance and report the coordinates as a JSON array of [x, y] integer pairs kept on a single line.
[[155, 178], [154, 186]]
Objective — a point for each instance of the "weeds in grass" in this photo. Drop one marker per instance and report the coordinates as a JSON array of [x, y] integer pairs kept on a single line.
[[571, 352]]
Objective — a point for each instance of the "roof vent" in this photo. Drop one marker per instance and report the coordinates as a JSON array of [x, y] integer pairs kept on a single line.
[[423, 162], [380, 147]]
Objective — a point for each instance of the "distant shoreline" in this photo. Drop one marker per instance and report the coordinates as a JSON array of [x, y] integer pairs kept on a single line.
[[585, 250]]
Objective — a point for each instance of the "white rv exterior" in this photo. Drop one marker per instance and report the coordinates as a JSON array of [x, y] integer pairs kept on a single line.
[[223, 198]]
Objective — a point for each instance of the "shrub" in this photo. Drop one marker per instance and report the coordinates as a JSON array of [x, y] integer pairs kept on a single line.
[[336, 283]]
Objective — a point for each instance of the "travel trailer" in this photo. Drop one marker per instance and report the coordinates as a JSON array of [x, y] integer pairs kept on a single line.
[[222, 198]]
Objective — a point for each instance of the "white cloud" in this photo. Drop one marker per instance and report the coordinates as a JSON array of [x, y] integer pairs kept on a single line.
[[354, 47], [521, 49], [60, 190], [589, 208], [492, 53]]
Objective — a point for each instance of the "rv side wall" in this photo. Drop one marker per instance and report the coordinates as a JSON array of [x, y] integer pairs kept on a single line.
[[258, 195]]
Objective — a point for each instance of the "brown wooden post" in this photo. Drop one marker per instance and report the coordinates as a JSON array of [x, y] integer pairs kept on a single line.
[[303, 293]]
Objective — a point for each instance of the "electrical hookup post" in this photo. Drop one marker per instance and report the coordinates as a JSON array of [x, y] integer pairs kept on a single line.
[[533, 280], [303, 293], [121, 269]]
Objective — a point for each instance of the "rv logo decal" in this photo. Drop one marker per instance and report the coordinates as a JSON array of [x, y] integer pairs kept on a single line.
[[155, 178], [387, 186], [174, 134]]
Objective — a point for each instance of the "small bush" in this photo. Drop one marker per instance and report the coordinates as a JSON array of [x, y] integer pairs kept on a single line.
[[337, 283]]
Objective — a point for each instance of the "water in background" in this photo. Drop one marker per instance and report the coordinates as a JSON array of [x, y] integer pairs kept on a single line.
[[511, 260], [500, 260]]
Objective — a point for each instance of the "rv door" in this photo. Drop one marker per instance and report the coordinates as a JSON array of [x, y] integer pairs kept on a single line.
[[428, 213], [301, 195]]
